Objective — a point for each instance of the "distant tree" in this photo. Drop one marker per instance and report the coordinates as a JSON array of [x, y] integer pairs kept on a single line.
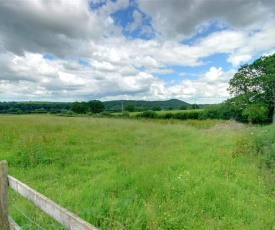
[[96, 106], [193, 106], [79, 107], [156, 108], [182, 107], [130, 108]]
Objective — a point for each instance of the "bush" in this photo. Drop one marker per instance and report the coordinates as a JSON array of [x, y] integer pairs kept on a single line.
[[106, 114], [125, 114], [130, 108], [211, 112], [147, 114], [181, 116], [166, 116], [193, 115], [256, 113]]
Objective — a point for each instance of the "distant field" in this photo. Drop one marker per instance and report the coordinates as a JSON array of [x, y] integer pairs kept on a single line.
[[140, 174], [163, 112]]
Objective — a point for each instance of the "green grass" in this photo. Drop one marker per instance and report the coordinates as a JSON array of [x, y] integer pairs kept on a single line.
[[139, 174]]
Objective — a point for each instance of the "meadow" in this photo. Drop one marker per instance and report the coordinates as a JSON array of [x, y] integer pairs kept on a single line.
[[142, 174]]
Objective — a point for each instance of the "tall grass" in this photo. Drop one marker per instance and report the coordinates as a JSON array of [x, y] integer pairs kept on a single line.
[[132, 174]]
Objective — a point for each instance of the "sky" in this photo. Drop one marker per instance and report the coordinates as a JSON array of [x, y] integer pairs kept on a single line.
[[81, 50]]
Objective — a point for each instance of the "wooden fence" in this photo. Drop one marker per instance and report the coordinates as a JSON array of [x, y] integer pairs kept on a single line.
[[62, 215]]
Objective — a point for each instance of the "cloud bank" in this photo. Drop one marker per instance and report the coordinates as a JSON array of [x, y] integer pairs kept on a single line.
[[154, 50]]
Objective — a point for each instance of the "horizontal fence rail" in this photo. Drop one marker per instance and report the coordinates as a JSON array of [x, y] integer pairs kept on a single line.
[[60, 214]]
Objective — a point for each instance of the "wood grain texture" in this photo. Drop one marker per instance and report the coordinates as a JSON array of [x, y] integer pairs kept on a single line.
[[62, 215], [4, 221]]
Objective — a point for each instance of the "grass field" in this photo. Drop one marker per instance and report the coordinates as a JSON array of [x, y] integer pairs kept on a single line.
[[139, 174]]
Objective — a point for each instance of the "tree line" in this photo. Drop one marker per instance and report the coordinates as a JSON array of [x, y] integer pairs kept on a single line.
[[93, 106], [33, 107]]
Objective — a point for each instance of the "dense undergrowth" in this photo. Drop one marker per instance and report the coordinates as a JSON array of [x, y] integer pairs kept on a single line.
[[143, 174]]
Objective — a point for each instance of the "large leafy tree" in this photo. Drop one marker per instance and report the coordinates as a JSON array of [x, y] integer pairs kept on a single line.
[[96, 106], [79, 107], [255, 83]]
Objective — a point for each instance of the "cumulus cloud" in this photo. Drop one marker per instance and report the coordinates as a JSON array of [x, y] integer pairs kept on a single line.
[[56, 27], [90, 57], [209, 88], [180, 19]]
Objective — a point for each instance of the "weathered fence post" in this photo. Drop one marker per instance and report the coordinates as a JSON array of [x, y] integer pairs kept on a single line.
[[4, 217]]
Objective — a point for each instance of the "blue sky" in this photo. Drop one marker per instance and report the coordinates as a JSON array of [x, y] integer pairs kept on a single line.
[[129, 49]]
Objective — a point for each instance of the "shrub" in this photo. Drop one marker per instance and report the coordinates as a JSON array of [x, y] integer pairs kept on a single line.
[[147, 114], [211, 112], [181, 116], [106, 114], [125, 114], [256, 113], [168, 115], [193, 115]]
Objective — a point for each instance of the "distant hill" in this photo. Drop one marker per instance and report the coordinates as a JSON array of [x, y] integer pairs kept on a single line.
[[116, 106]]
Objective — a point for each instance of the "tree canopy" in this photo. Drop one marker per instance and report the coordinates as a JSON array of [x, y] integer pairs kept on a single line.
[[255, 84], [96, 106]]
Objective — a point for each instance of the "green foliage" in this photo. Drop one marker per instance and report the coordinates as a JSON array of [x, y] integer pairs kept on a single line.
[[79, 107], [232, 109], [125, 114], [255, 84], [147, 114], [96, 106], [182, 107], [106, 114], [168, 115], [130, 108], [115, 106], [157, 108], [263, 141], [256, 113], [32, 107], [192, 114], [236, 108], [181, 116], [211, 112], [193, 106]]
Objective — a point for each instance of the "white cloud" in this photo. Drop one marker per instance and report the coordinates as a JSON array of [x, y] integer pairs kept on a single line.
[[209, 88], [70, 79], [213, 75], [180, 19], [93, 59]]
